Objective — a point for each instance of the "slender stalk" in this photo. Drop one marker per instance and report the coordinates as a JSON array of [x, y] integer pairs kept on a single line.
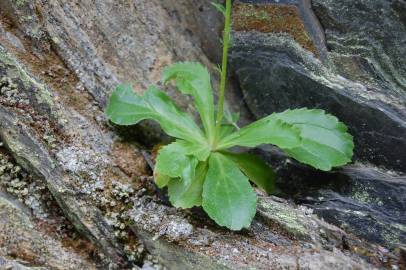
[[226, 44]]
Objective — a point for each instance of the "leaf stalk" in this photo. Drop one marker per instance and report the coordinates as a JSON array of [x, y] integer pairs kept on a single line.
[[226, 44]]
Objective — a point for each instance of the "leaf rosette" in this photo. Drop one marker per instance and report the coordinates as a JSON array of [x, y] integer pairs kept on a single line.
[[199, 167]]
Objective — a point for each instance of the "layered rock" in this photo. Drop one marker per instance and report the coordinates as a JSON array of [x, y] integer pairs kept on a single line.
[[27, 243], [343, 57], [59, 61]]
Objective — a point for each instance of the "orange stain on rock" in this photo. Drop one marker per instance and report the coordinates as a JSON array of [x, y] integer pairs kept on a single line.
[[273, 18]]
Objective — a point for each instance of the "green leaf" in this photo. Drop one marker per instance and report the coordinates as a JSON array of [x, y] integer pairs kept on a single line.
[[229, 117], [226, 130], [229, 122], [325, 142], [200, 150], [127, 108], [194, 79], [268, 130], [310, 136], [161, 180], [186, 194], [228, 197], [256, 169], [173, 161], [220, 8]]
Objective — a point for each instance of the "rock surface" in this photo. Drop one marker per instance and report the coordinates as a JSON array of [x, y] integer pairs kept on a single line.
[[363, 200], [360, 80], [282, 236], [343, 57], [31, 244], [59, 61]]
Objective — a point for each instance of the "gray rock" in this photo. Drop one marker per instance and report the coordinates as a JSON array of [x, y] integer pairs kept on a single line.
[[74, 54], [358, 75], [283, 236], [364, 200], [361, 81], [33, 155], [211, 24], [13, 265], [31, 247]]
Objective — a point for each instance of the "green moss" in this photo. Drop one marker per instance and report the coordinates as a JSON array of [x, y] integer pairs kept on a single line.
[[18, 71], [27, 18], [399, 226], [250, 12], [391, 237], [393, 233], [362, 196], [286, 218], [20, 3]]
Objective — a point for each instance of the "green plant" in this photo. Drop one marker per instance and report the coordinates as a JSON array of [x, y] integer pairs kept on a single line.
[[198, 168]]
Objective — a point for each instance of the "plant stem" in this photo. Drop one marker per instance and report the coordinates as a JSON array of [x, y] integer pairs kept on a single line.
[[226, 44]]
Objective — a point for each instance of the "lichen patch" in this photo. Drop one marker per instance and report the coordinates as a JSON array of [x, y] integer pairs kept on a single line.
[[272, 18]]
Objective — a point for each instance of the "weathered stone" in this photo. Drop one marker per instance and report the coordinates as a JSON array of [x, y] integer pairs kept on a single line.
[[209, 25], [64, 61], [13, 265], [363, 200], [277, 70], [26, 242], [293, 17], [360, 79], [293, 233], [366, 202], [34, 157]]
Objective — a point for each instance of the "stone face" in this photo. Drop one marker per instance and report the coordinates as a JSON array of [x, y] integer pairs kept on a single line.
[[366, 43], [379, 129], [294, 17], [368, 203], [368, 37], [361, 200], [33, 154], [361, 83], [59, 61], [13, 265], [295, 239], [273, 19], [359, 76], [65, 58], [210, 25], [25, 241]]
